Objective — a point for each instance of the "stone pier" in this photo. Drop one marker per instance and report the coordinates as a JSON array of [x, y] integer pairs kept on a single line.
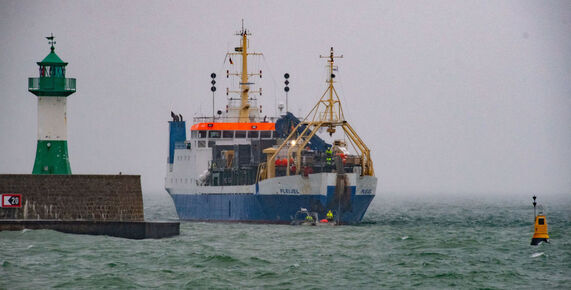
[[86, 204]]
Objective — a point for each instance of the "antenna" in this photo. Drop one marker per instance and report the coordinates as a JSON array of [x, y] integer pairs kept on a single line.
[[244, 31]]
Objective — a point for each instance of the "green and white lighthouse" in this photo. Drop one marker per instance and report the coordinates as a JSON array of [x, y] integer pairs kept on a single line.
[[52, 89]]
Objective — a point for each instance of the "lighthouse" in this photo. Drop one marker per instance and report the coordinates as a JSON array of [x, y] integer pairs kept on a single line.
[[52, 89]]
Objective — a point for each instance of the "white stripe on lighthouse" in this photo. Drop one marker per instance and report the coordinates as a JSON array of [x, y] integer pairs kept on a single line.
[[52, 118]]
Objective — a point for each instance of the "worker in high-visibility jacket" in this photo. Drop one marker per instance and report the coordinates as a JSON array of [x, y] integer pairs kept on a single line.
[[329, 215], [329, 156], [309, 218]]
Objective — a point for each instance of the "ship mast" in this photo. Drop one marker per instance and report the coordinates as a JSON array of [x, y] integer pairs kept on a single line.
[[242, 51], [327, 113], [335, 116]]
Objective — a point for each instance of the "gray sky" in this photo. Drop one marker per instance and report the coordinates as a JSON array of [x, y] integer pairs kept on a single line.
[[451, 96]]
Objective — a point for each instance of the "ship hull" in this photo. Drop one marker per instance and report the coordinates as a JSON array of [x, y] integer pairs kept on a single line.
[[278, 199], [266, 208]]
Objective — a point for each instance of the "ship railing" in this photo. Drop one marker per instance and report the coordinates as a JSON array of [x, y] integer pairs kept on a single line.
[[318, 166], [33, 83], [181, 145], [230, 120]]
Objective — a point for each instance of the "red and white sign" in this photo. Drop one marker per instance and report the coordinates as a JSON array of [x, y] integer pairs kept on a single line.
[[11, 200]]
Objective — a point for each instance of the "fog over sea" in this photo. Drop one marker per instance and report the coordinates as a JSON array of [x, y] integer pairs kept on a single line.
[[449, 96], [432, 241]]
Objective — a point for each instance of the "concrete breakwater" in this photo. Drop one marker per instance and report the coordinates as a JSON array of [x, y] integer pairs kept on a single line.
[[89, 204], [129, 230]]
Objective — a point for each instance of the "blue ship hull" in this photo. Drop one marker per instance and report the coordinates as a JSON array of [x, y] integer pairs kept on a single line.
[[265, 208]]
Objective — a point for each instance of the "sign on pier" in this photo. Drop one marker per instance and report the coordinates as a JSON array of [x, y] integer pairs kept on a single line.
[[11, 200]]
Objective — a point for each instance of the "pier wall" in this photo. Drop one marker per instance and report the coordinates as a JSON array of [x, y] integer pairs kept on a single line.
[[129, 230], [74, 197]]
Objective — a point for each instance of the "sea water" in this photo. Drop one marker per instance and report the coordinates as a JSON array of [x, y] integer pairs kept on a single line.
[[429, 241]]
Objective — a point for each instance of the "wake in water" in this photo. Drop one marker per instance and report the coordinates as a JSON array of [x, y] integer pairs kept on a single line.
[[535, 255]]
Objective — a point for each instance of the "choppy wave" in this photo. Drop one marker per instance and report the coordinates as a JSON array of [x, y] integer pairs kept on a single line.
[[399, 245]]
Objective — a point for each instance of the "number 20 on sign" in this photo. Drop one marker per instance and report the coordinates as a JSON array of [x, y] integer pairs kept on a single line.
[[11, 200]]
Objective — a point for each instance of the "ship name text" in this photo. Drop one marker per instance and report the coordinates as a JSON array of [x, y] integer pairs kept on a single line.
[[289, 191]]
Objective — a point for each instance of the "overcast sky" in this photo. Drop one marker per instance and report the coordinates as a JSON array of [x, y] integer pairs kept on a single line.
[[451, 96]]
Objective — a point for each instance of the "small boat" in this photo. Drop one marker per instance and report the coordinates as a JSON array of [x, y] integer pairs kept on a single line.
[[305, 217], [309, 218]]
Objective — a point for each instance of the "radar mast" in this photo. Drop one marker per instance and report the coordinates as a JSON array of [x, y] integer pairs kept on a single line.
[[245, 112]]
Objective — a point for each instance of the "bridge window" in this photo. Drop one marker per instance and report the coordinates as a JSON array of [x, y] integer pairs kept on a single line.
[[201, 134], [227, 134], [265, 134], [214, 134], [252, 134], [240, 134], [201, 144]]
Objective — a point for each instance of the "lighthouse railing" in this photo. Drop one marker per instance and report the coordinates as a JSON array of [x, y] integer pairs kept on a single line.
[[52, 84]]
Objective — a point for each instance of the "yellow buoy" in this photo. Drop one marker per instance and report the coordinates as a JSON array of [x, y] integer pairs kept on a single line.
[[540, 233]]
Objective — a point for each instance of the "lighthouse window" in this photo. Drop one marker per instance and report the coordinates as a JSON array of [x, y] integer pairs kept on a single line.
[[201, 134], [58, 72], [540, 221], [240, 134], [45, 71], [266, 134], [252, 134], [227, 134]]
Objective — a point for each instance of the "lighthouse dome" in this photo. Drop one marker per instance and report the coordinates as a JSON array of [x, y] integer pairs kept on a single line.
[[52, 59]]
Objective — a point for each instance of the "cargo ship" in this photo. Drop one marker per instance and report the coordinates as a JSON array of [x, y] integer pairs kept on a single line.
[[237, 166]]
